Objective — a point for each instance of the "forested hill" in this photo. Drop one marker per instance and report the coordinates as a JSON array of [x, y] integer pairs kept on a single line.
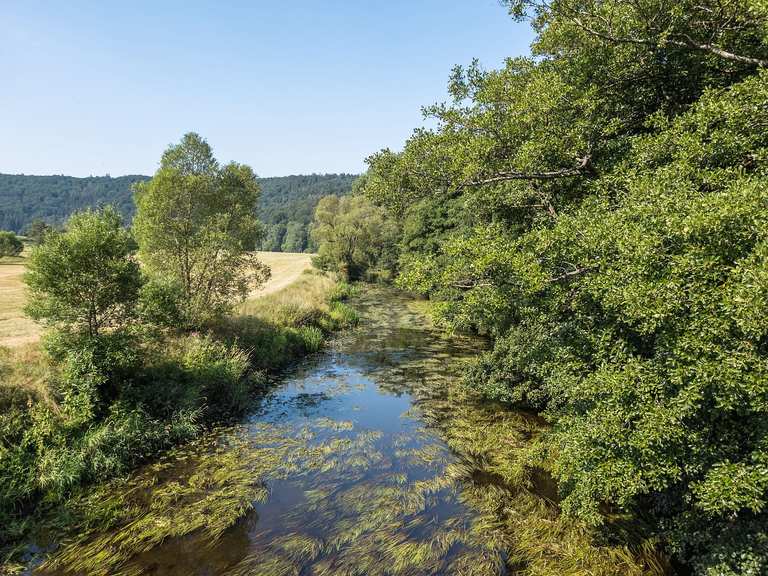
[[26, 198], [286, 204]]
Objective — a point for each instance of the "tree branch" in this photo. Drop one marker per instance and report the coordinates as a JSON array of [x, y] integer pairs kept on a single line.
[[581, 168], [686, 42], [572, 273]]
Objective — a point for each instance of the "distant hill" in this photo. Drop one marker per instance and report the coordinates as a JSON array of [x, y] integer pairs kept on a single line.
[[53, 198], [286, 206]]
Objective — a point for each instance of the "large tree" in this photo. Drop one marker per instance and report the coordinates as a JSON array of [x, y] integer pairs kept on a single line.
[[196, 224], [86, 278], [601, 211]]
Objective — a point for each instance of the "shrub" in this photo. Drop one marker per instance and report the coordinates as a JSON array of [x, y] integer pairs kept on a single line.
[[160, 303], [85, 279], [217, 370], [342, 316], [10, 245], [312, 338]]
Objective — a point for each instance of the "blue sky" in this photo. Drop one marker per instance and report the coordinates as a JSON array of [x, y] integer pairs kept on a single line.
[[287, 87]]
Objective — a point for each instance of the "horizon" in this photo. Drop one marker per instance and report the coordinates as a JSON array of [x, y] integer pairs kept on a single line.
[[289, 90]]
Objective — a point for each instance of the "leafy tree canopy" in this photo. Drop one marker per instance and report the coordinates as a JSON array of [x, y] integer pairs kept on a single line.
[[85, 279], [601, 211], [10, 245], [195, 223]]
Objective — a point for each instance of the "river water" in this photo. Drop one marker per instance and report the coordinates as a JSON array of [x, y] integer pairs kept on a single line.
[[367, 459]]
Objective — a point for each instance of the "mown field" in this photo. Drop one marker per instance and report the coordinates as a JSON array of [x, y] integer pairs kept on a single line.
[[16, 329]]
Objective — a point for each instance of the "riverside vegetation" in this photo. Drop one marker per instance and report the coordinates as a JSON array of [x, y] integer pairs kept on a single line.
[[139, 358], [600, 211]]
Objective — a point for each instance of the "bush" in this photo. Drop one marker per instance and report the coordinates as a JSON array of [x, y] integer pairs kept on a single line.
[[342, 316], [85, 279], [10, 245], [218, 371], [159, 303], [312, 338], [341, 292]]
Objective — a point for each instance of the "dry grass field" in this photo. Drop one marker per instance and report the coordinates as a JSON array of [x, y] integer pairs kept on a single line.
[[286, 269], [16, 329]]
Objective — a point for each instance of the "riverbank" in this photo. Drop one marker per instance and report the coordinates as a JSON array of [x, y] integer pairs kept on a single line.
[[166, 388], [371, 458]]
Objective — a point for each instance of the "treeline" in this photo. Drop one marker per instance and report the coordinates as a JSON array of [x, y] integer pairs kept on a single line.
[[136, 359], [600, 210], [285, 206]]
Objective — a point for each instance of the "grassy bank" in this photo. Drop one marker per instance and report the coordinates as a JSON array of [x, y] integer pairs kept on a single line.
[[74, 415]]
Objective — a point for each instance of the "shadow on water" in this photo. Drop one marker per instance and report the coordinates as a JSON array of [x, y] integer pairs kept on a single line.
[[366, 460]]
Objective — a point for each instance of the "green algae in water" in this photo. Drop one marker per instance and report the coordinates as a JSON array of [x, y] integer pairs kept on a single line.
[[370, 460]]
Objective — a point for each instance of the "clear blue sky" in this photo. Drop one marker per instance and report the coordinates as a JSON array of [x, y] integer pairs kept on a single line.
[[287, 87]]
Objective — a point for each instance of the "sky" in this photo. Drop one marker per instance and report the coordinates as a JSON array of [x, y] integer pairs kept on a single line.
[[285, 86]]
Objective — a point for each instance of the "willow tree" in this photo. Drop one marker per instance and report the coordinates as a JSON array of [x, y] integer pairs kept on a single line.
[[196, 226], [354, 236]]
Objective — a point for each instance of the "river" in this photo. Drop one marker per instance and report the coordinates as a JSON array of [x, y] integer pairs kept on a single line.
[[370, 458]]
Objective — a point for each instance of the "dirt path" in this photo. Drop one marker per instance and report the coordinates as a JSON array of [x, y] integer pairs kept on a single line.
[[15, 328]]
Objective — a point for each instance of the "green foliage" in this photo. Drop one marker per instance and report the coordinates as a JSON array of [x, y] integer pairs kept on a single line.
[[295, 239], [53, 199], [354, 237], [160, 302], [342, 315], [602, 213], [37, 230], [10, 245], [342, 291], [287, 205], [196, 224], [218, 369], [84, 279]]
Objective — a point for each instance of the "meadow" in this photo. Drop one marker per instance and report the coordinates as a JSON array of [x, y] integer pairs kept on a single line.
[[17, 330]]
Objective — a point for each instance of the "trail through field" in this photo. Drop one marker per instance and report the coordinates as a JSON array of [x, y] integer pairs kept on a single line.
[[286, 268]]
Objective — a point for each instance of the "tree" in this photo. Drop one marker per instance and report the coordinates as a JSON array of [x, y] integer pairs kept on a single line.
[[354, 236], [195, 223], [601, 212], [295, 239], [10, 245], [37, 229], [273, 238], [85, 279]]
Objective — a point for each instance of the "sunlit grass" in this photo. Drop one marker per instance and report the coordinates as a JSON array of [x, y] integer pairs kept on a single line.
[[15, 328]]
